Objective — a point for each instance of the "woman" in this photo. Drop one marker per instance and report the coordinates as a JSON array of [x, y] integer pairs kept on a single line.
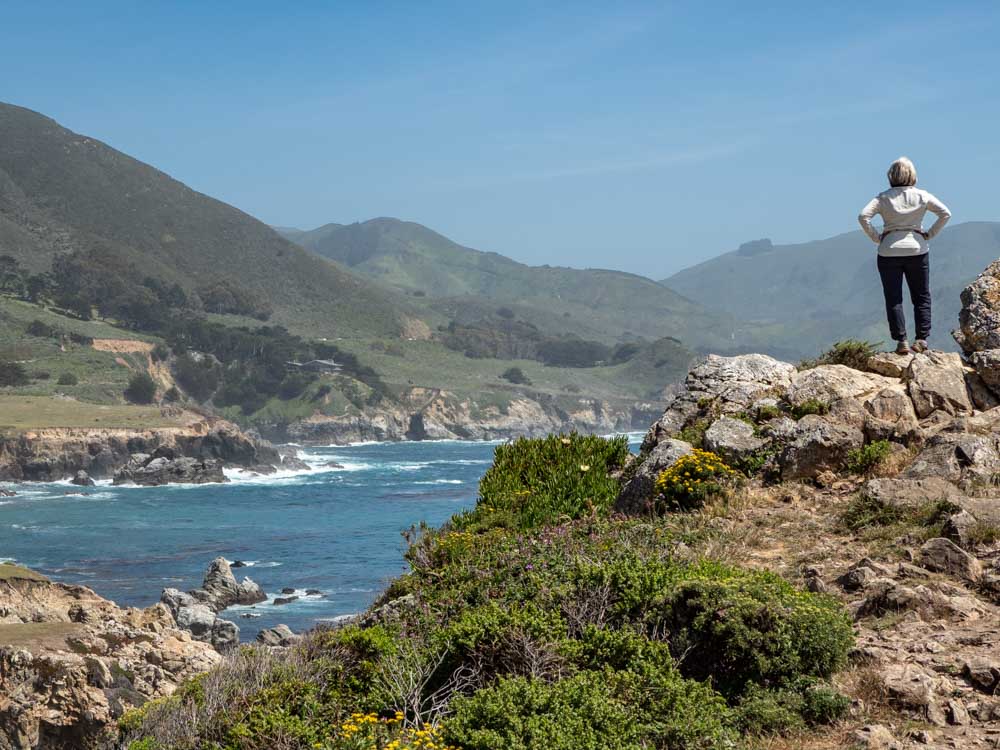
[[902, 249]]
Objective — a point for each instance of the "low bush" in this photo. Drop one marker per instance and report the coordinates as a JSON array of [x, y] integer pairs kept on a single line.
[[810, 406], [866, 459], [542, 480], [41, 375], [68, 378], [692, 480], [851, 353], [866, 511], [694, 432]]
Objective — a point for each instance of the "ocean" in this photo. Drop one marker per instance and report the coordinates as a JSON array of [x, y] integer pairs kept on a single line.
[[335, 530]]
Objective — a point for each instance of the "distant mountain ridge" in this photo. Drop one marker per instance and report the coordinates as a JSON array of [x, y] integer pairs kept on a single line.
[[794, 300], [463, 283], [62, 192]]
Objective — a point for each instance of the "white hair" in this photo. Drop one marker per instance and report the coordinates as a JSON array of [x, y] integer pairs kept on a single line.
[[902, 173]]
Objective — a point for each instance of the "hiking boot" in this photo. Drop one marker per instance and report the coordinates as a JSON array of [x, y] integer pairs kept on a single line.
[[902, 347], [920, 346]]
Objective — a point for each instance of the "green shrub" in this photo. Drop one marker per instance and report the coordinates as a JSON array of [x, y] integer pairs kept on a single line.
[[851, 353], [41, 375], [537, 481], [13, 374], [516, 376], [141, 389], [810, 406], [692, 480], [768, 412], [172, 396], [160, 352], [68, 378], [694, 433], [866, 511], [579, 713], [867, 458], [41, 330], [802, 702]]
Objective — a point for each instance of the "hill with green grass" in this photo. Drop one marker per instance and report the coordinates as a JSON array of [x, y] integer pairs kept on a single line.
[[791, 299], [65, 194], [464, 284]]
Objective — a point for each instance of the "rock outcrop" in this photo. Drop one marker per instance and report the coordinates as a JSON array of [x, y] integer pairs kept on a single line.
[[165, 467], [52, 454], [197, 610], [71, 662]]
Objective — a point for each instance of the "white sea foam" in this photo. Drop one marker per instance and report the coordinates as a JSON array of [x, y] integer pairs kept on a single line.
[[441, 481]]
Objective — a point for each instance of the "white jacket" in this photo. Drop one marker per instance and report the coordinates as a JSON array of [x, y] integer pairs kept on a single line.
[[902, 210]]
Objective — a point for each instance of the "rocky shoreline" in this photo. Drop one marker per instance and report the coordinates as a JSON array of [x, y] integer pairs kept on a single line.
[[431, 414], [192, 452]]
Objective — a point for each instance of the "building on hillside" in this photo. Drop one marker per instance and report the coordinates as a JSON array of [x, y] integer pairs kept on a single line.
[[315, 365]]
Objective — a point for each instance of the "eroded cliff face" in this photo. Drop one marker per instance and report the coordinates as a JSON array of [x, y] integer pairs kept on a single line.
[[432, 414], [58, 453], [72, 662]]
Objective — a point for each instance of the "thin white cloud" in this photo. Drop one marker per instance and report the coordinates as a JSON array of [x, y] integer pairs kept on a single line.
[[620, 165]]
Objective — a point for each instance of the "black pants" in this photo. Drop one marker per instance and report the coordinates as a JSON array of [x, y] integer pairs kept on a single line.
[[916, 269]]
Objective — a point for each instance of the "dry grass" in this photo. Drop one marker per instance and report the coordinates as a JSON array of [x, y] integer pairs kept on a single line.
[[19, 413], [10, 571], [38, 635]]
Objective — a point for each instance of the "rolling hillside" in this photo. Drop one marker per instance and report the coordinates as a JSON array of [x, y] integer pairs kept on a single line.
[[793, 300], [62, 192], [465, 284]]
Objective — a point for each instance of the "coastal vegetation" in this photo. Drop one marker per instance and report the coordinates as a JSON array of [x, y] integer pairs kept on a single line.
[[539, 619]]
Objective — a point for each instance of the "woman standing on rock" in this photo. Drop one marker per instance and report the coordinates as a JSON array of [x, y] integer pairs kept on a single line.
[[902, 249]]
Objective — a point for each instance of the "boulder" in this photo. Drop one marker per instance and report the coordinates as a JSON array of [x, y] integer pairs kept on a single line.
[[818, 445], [910, 493], [279, 600], [279, 635], [876, 737], [829, 383], [890, 364], [733, 440], [729, 384], [987, 365], [197, 619], [638, 491], [936, 381], [82, 479], [944, 556], [960, 457], [957, 528], [979, 319], [982, 393], [225, 635]]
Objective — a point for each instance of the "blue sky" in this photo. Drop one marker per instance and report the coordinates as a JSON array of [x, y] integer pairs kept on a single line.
[[642, 136]]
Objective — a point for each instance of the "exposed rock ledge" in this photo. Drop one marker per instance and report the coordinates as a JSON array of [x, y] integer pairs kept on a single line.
[[54, 454], [71, 662], [433, 414]]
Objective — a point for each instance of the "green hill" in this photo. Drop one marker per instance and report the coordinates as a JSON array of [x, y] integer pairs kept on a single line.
[[465, 284], [792, 300], [61, 193]]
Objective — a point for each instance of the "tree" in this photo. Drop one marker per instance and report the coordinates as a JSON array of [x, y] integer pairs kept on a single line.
[[13, 374], [141, 389], [516, 376]]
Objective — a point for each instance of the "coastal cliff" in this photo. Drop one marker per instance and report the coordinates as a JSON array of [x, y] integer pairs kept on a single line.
[[54, 453], [435, 414]]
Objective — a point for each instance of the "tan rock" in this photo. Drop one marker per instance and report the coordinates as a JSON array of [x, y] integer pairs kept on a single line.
[[936, 381]]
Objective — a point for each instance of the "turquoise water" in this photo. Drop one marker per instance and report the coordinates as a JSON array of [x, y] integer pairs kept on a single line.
[[335, 530]]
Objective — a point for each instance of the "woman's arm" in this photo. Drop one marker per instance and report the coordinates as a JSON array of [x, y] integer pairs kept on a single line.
[[943, 214], [865, 219]]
